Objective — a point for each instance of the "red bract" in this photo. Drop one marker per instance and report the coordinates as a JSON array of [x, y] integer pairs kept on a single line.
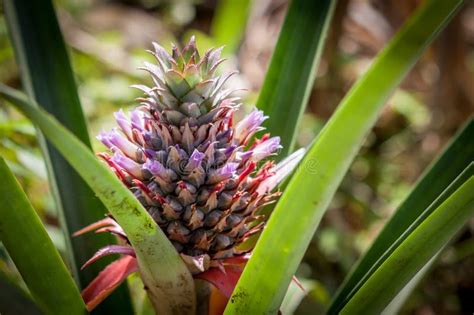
[[108, 280]]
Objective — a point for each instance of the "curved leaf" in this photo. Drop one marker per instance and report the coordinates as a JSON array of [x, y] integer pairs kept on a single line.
[[14, 300], [108, 280], [458, 154], [33, 252], [414, 252], [292, 70]]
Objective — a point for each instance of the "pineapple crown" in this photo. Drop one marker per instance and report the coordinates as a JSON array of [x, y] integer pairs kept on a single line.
[[199, 176], [186, 89]]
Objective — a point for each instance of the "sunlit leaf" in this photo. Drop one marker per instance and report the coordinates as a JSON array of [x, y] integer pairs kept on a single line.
[[33, 252], [292, 70]]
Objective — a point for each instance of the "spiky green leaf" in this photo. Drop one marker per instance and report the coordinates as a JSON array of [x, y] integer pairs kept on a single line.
[[290, 76], [414, 252], [33, 252], [458, 154]]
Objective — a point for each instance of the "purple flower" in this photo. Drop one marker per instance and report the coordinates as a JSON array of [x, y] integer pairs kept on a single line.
[[281, 170], [266, 148], [115, 139], [155, 168], [138, 119], [249, 125], [127, 164], [242, 156], [104, 138], [228, 169], [195, 159], [230, 150], [225, 172], [123, 122]]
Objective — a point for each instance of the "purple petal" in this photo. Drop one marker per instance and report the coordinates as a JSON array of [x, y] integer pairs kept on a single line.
[[123, 122], [230, 149], [281, 170], [155, 168], [264, 149], [138, 119], [123, 144], [249, 125], [244, 155], [104, 138], [127, 164], [229, 168], [151, 153], [223, 173], [195, 159]]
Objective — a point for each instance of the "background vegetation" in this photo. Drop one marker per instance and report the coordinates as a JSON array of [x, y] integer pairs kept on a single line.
[[107, 40]]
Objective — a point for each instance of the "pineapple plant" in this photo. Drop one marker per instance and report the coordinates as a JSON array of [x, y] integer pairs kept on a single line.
[[189, 182], [201, 176]]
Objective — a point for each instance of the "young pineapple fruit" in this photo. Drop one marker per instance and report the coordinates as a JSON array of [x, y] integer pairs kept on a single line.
[[200, 176]]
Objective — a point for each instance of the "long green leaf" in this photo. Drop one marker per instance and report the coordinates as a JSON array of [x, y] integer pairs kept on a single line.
[[414, 252], [292, 70], [458, 154], [394, 307], [14, 300], [33, 252], [48, 78], [161, 267], [306, 198], [454, 185]]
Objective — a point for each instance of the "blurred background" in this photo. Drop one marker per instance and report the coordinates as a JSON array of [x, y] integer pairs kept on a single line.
[[108, 40]]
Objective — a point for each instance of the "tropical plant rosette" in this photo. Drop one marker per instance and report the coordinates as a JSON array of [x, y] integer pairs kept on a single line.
[[202, 178]]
